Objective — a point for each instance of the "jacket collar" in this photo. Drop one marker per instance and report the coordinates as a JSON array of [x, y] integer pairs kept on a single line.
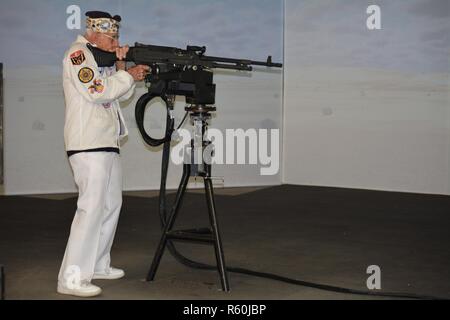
[[82, 39]]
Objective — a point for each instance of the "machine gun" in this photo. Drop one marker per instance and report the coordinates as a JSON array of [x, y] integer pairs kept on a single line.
[[186, 73], [174, 71]]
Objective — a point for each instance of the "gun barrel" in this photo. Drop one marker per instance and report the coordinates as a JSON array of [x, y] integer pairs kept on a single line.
[[246, 62], [149, 54], [269, 63], [232, 66]]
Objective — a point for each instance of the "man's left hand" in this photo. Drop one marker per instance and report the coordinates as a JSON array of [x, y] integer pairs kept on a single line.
[[121, 52]]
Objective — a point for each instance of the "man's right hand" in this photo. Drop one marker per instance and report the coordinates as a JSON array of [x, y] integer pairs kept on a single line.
[[139, 72]]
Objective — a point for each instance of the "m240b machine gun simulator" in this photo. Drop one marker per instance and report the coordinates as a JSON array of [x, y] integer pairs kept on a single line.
[[185, 72], [182, 72]]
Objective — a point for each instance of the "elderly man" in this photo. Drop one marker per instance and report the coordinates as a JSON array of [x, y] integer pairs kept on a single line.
[[93, 128]]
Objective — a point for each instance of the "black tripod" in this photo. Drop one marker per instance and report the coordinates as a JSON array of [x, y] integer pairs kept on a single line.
[[195, 166]]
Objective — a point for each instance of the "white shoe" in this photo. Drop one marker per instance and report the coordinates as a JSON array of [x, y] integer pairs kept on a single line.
[[109, 274], [84, 289]]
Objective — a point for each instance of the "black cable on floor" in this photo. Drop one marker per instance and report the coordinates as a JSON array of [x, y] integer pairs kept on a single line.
[[333, 288], [194, 264], [140, 110]]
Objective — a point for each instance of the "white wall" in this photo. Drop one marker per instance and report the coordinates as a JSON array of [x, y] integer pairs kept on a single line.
[[35, 160], [367, 109], [363, 109], [34, 156]]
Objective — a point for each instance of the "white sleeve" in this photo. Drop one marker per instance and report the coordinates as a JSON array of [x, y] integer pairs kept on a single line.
[[128, 94], [90, 83]]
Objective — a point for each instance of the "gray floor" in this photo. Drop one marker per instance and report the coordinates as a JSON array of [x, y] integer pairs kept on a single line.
[[324, 235]]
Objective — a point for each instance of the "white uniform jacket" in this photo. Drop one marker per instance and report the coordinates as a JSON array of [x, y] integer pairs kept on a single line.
[[93, 117]]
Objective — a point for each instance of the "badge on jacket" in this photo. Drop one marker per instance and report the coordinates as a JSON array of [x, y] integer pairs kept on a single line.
[[97, 86], [85, 74], [77, 57]]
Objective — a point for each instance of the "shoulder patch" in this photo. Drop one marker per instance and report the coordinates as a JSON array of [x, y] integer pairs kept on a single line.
[[85, 75], [77, 57]]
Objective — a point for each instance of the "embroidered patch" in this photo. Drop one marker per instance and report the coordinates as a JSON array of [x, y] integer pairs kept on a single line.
[[77, 57], [97, 86], [85, 75]]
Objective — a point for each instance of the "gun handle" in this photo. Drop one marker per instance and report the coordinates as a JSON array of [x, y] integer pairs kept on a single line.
[[108, 59]]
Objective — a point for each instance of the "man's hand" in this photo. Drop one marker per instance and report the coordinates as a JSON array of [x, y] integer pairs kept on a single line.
[[139, 72], [121, 52]]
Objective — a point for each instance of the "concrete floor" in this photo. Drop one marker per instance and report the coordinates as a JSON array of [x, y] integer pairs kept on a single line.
[[323, 235]]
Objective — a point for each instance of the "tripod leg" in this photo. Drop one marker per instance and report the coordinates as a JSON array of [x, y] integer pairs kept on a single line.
[[170, 222], [218, 242]]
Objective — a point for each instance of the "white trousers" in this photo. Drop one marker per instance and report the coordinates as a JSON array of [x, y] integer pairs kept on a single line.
[[98, 176]]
